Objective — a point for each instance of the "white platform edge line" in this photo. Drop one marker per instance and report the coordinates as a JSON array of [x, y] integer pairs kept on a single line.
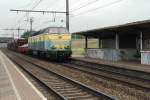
[[28, 81], [10, 78]]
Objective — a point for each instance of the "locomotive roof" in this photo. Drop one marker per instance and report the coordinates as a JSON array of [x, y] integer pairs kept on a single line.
[[52, 30]]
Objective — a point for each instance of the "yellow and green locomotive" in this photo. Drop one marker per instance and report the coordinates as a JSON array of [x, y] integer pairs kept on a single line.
[[52, 42]]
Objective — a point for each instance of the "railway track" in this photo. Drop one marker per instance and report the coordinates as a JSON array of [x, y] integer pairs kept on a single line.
[[134, 79], [65, 88], [137, 79]]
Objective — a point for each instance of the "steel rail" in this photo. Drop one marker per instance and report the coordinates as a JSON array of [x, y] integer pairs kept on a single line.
[[102, 95], [32, 75], [127, 79]]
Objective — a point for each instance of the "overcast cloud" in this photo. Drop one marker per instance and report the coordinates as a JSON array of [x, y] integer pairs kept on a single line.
[[98, 13]]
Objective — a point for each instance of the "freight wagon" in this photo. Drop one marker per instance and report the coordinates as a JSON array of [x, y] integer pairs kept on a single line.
[[16, 43]]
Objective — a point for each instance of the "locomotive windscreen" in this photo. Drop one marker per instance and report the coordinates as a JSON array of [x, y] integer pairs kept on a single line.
[[57, 30]]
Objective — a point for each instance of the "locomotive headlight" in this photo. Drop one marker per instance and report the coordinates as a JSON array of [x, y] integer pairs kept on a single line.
[[67, 47], [53, 47]]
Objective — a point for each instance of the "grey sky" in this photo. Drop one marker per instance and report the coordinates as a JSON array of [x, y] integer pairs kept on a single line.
[[108, 13]]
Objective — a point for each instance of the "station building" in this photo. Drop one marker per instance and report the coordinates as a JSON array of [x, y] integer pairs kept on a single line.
[[129, 42]]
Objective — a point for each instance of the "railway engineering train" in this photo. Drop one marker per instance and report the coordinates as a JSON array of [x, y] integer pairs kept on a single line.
[[51, 42]]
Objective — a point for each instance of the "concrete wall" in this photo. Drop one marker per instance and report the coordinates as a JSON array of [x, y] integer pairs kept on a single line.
[[111, 54], [127, 49], [146, 44], [105, 54], [128, 54], [145, 57]]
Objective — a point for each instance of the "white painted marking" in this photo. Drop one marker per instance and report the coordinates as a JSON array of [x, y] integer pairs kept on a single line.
[[36, 90]]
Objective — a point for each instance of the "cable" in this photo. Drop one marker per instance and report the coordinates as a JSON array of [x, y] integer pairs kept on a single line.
[[26, 25], [26, 5], [62, 6], [37, 4], [100, 7], [27, 14], [89, 3], [54, 2], [33, 7], [77, 3]]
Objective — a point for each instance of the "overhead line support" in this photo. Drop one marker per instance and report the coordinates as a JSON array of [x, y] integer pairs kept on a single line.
[[67, 15], [67, 12], [18, 29], [37, 11]]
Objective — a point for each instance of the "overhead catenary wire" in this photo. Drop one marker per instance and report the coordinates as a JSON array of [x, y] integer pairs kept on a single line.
[[22, 17], [34, 6], [100, 7], [79, 3], [85, 5], [27, 5], [47, 22], [54, 3]]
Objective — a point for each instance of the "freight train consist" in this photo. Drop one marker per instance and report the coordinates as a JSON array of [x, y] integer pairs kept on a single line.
[[16, 44], [51, 42]]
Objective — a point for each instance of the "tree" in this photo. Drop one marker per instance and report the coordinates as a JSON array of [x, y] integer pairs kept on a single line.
[[27, 34]]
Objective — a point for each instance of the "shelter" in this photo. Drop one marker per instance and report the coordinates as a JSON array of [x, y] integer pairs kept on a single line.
[[129, 41]]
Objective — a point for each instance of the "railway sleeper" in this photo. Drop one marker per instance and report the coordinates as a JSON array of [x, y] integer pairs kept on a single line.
[[75, 93], [116, 77], [56, 81], [93, 98], [66, 89], [78, 97], [72, 92], [62, 86], [61, 83]]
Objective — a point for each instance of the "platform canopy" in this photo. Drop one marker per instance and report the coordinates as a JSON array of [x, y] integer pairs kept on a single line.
[[133, 28]]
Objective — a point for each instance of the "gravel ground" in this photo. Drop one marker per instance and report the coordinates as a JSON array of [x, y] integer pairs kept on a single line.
[[46, 92], [108, 87], [115, 89]]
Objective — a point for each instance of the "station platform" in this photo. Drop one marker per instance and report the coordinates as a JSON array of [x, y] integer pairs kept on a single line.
[[133, 65], [13, 84]]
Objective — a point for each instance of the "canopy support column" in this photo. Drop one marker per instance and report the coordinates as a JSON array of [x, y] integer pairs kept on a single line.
[[99, 42], [141, 41], [117, 41], [86, 42]]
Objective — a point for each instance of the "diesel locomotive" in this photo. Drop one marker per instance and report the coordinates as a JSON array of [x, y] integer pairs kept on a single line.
[[51, 42]]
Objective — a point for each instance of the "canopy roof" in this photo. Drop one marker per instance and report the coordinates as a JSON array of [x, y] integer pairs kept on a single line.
[[133, 28]]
